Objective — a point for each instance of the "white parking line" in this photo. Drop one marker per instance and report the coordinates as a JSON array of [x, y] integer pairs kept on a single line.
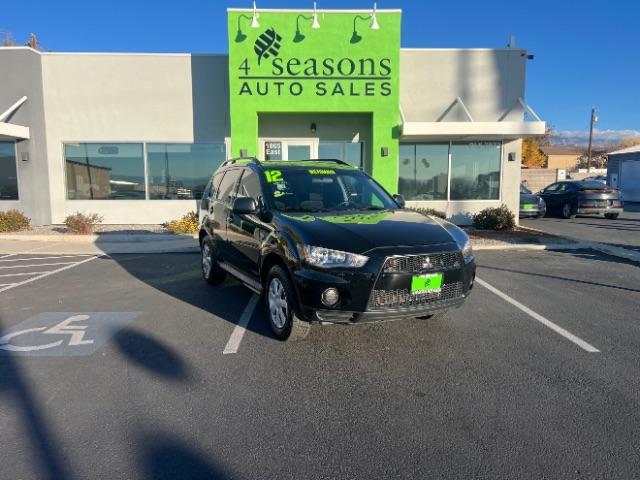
[[10, 255], [46, 274], [41, 258], [21, 274], [238, 332], [36, 265], [548, 323]]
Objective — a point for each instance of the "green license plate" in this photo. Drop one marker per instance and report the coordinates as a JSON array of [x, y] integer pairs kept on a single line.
[[528, 206], [426, 283]]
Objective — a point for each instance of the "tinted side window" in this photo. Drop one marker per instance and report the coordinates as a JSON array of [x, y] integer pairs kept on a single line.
[[552, 188], [228, 184], [215, 184], [250, 185]]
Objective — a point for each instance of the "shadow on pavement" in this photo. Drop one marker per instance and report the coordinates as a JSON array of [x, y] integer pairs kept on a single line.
[[167, 459], [151, 354], [179, 275], [45, 445], [583, 254]]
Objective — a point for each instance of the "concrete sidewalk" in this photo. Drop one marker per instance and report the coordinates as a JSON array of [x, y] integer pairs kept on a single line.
[[97, 244], [166, 243]]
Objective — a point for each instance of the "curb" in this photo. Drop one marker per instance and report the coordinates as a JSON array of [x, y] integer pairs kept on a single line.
[[97, 238], [614, 251], [532, 246]]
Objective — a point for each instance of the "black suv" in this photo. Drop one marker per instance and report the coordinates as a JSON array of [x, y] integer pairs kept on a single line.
[[324, 242]]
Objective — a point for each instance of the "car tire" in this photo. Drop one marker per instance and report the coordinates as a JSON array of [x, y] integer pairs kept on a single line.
[[279, 299], [567, 211], [611, 216], [211, 271]]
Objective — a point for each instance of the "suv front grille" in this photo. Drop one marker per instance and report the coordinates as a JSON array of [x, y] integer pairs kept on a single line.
[[404, 298], [422, 263]]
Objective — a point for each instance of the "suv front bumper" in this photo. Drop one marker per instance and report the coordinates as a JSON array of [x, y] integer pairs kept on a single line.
[[356, 289]]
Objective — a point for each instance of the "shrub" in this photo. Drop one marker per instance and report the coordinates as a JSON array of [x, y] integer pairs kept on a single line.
[[431, 212], [187, 224], [82, 223], [14, 221], [496, 218]]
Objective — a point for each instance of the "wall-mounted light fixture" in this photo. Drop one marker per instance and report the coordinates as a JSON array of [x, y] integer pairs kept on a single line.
[[244, 152], [384, 151], [254, 20], [314, 24], [355, 38], [24, 156], [313, 127]]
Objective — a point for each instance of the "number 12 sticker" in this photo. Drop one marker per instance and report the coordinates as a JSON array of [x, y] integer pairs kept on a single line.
[[273, 176]]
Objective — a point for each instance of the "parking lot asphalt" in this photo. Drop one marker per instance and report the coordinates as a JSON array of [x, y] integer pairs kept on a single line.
[[622, 232], [488, 391]]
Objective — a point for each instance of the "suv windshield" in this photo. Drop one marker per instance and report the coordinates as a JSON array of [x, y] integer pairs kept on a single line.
[[324, 188]]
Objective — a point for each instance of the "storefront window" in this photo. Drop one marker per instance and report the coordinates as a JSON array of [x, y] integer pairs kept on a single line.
[[181, 171], [475, 171], [104, 171], [423, 171], [8, 172]]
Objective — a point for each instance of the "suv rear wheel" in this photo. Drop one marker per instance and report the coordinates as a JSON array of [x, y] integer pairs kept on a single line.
[[279, 300], [211, 271]]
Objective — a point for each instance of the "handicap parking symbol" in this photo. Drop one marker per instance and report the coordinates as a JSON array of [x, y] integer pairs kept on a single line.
[[63, 333]]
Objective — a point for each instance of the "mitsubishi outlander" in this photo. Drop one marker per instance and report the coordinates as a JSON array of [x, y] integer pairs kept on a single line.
[[322, 241]]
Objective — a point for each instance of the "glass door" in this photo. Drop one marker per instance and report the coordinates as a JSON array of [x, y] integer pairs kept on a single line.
[[299, 150]]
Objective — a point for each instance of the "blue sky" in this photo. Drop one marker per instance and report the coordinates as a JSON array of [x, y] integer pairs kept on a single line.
[[586, 52]]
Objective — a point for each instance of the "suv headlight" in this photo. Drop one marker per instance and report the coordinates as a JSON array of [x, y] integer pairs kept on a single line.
[[327, 258], [467, 252]]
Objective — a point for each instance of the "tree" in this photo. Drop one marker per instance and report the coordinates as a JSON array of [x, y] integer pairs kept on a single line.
[[7, 39], [628, 142], [532, 155]]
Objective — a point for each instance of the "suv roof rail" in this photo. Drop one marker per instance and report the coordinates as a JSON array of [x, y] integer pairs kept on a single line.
[[332, 160], [231, 161]]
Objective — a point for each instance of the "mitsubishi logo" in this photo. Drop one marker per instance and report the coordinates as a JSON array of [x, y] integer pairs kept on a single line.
[[426, 263]]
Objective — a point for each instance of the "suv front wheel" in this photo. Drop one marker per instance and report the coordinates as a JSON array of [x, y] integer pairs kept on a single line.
[[279, 300]]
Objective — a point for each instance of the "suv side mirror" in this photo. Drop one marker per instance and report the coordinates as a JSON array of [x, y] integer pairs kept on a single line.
[[399, 200], [244, 205]]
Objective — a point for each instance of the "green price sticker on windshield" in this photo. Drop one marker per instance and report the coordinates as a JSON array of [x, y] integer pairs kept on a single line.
[[273, 176]]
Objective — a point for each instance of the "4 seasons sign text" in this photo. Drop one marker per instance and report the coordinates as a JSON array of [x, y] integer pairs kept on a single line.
[[271, 74]]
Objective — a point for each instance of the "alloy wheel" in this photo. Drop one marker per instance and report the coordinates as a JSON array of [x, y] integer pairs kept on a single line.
[[278, 305], [206, 259]]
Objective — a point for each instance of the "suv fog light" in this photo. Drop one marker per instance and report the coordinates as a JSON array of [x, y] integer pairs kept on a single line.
[[330, 297]]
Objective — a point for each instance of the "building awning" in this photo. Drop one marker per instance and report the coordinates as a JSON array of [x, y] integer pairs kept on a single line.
[[10, 131], [471, 129]]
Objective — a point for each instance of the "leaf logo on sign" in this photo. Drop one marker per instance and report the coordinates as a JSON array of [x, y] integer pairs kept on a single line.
[[267, 45]]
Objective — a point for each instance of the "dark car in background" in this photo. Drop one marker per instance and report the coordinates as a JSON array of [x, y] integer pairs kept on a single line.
[[322, 241], [531, 206], [570, 198]]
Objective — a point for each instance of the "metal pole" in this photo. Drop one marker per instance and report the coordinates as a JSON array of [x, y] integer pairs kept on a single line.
[[593, 119]]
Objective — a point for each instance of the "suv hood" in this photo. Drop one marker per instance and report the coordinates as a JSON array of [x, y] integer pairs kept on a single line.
[[359, 232]]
